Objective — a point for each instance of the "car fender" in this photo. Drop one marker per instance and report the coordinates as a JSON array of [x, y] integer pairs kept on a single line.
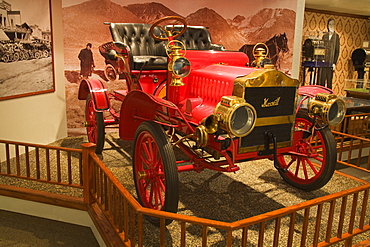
[[138, 107], [98, 93], [312, 90]]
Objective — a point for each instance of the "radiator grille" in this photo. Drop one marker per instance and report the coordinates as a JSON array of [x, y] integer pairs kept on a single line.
[[270, 102]]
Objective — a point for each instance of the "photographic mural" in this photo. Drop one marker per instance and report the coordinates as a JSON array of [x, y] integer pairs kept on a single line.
[[26, 66], [237, 25]]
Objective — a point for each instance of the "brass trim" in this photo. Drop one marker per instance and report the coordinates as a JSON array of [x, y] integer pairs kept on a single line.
[[263, 78], [274, 120], [267, 78], [226, 108], [322, 104]]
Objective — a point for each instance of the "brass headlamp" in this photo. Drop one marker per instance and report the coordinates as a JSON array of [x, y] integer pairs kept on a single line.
[[260, 52], [328, 107], [233, 115], [179, 66]]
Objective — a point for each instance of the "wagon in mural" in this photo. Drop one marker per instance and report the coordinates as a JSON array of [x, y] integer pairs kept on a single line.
[[184, 92]]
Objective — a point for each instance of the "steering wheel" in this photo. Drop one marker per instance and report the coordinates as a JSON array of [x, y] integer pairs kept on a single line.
[[166, 33]]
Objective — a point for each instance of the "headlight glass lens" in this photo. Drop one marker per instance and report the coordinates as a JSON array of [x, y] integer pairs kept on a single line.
[[242, 120], [181, 67], [336, 112]]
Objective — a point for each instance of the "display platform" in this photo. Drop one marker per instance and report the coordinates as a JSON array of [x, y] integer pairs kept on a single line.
[[256, 189], [312, 68]]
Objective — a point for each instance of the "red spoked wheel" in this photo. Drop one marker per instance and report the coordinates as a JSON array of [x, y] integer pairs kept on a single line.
[[154, 169], [312, 162], [94, 125]]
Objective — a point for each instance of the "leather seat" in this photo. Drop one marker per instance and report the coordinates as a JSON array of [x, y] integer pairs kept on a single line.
[[197, 38], [145, 49]]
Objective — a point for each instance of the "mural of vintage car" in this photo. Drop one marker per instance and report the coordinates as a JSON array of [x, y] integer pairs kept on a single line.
[[184, 92]]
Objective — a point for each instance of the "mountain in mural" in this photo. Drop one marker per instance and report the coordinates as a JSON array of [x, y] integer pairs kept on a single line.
[[83, 23], [150, 12], [263, 25], [221, 31]]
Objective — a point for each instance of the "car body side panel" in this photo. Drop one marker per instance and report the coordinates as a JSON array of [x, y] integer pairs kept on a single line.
[[138, 107]]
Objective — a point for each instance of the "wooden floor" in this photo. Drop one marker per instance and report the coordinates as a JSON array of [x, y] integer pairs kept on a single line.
[[24, 230]]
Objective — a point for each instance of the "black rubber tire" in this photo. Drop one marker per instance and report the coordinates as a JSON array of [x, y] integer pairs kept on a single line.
[[95, 128], [154, 154], [328, 160]]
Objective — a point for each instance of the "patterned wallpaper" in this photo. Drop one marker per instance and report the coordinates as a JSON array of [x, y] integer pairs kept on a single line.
[[352, 32]]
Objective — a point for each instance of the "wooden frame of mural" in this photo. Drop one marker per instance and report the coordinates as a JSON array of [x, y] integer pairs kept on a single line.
[[26, 51]]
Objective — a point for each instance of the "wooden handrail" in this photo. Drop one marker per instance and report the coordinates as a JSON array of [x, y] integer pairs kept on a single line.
[[101, 189], [351, 136], [41, 146]]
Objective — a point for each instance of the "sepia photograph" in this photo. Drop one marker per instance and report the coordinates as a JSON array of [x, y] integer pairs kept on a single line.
[[26, 64]]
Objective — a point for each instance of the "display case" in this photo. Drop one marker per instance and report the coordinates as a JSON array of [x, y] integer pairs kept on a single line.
[[361, 60], [313, 57], [313, 49], [358, 88]]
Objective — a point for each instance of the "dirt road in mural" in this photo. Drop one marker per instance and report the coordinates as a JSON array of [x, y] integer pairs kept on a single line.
[[26, 77]]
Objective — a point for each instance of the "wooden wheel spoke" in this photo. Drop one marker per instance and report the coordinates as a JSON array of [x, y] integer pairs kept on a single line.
[[313, 168], [318, 158], [154, 165], [297, 168], [317, 146], [145, 160], [290, 163], [304, 166], [145, 155], [145, 184], [162, 185], [159, 197]]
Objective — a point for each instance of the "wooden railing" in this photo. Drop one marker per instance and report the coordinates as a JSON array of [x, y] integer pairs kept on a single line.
[[320, 222], [42, 163], [339, 217], [353, 151], [355, 124], [353, 141]]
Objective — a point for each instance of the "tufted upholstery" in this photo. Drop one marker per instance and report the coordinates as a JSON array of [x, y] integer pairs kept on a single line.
[[197, 38], [144, 47]]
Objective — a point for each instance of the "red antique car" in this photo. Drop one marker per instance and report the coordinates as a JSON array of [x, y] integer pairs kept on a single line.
[[185, 92]]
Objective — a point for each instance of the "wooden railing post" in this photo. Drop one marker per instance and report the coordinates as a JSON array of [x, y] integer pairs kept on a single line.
[[87, 170]]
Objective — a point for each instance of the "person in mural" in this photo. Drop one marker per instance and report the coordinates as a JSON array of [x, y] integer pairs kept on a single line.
[[331, 43], [86, 61]]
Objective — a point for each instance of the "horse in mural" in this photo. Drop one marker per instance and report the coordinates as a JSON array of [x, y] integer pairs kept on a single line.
[[277, 45]]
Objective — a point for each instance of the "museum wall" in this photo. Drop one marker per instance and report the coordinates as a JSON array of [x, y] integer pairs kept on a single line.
[[352, 32], [39, 118], [233, 24]]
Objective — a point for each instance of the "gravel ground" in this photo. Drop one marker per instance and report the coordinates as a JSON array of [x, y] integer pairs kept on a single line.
[[255, 189]]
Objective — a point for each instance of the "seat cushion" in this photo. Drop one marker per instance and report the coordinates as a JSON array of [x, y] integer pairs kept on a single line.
[[153, 62]]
